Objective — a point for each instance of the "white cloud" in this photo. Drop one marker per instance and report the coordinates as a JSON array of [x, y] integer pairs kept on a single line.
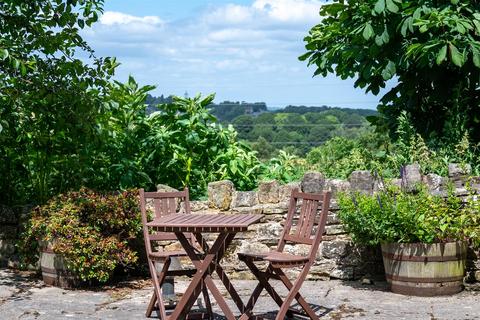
[[110, 18], [230, 14], [289, 10], [236, 34], [265, 12], [239, 51]]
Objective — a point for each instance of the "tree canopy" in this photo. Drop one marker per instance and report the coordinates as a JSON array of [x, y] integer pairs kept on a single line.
[[430, 49], [49, 96]]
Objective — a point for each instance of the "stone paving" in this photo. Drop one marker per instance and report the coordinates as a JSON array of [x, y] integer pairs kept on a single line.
[[23, 296]]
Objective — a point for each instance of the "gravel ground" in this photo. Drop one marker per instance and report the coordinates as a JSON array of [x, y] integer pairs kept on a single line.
[[23, 296]]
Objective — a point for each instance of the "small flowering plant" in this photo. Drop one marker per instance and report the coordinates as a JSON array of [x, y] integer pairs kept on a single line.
[[393, 215], [92, 231]]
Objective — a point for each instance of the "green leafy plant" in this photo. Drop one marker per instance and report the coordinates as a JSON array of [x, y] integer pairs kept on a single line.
[[94, 232], [285, 167], [430, 49], [393, 215]]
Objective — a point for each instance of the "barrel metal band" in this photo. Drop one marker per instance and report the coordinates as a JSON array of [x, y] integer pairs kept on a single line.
[[423, 280], [399, 257], [425, 292]]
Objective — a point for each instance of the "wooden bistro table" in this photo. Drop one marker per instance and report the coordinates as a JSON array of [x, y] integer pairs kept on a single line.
[[226, 226]]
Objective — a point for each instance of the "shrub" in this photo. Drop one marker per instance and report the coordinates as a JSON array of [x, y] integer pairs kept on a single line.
[[285, 167], [397, 216], [93, 232]]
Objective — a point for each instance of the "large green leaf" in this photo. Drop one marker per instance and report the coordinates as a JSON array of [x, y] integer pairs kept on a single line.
[[368, 31], [380, 6], [455, 55], [441, 55], [389, 71]]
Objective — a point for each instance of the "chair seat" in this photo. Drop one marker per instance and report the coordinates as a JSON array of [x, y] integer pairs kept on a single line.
[[276, 258], [285, 259], [162, 255], [252, 256]]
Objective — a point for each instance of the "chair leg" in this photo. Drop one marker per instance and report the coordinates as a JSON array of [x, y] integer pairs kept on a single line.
[[151, 305], [157, 281], [208, 304], [301, 301], [295, 294], [263, 284]]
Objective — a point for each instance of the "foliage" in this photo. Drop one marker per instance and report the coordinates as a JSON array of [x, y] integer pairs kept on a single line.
[[186, 147], [227, 111], [430, 48], [49, 98], [392, 215], [92, 231], [238, 164], [339, 156], [286, 168], [298, 130]]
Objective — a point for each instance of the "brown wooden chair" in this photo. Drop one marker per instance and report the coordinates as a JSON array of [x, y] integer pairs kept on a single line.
[[164, 203], [305, 227]]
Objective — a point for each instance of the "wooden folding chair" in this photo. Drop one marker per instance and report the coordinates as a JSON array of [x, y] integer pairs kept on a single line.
[[304, 227], [165, 203]]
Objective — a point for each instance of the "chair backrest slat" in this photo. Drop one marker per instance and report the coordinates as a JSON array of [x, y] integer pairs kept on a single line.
[[305, 225], [163, 203]]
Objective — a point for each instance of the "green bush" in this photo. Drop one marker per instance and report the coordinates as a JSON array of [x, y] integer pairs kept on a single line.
[[397, 216], [93, 231], [285, 168]]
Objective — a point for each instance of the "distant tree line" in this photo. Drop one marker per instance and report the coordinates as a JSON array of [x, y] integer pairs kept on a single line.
[[295, 129]]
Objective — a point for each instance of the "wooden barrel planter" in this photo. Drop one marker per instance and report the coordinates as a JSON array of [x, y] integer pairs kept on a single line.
[[54, 269], [420, 269]]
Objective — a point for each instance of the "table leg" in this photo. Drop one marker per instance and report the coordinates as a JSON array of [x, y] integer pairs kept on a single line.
[[223, 276], [204, 269]]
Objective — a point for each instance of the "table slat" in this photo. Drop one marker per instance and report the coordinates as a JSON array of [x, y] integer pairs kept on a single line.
[[204, 222]]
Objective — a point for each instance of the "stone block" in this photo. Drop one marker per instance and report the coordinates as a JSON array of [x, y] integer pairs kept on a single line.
[[458, 173], [252, 247], [336, 186], [334, 249], [220, 194], [269, 192], [286, 190], [411, 176], [334, 229], [396, 182], [342, 273], [299, 249], [248, 210], [313, 182], [276, 208], [165, 188], [323, 267], [362, 181], [198, 205], [332, 218], [7, 248], [434, 182], [474, 183], [244, 199], [268, 232]]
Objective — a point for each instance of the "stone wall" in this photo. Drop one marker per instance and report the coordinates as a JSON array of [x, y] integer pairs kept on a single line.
[[337, 257]]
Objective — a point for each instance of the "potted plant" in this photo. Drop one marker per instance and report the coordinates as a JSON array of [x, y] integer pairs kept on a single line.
[[423, 236], [83, 236]]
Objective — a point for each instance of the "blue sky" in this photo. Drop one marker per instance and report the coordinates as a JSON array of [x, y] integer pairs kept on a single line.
[[241, 50]]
